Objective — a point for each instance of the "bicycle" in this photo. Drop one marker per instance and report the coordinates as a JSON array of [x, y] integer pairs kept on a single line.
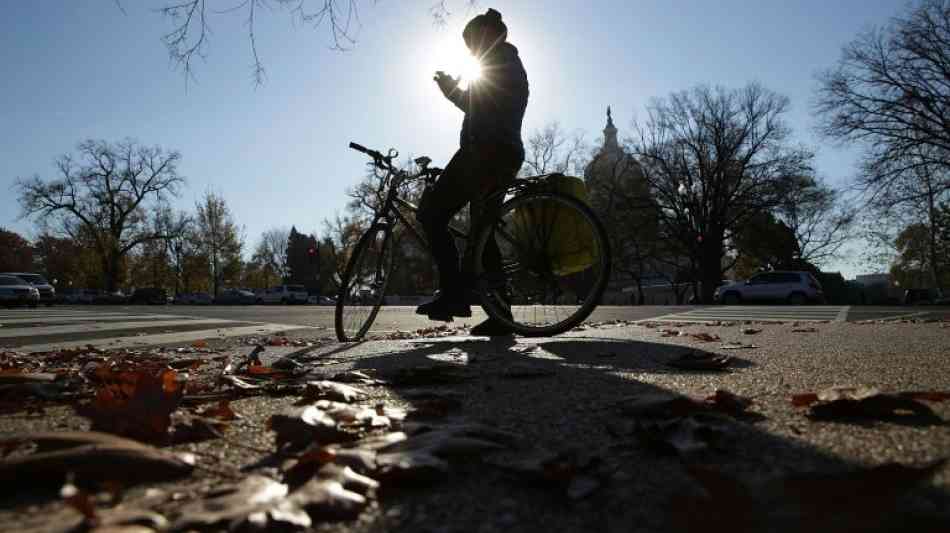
[[545, 293]]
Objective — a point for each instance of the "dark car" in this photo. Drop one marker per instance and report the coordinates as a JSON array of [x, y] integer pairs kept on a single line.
[[235, 297], [922, 297], [110, 298], [46, 290], [149, 295]]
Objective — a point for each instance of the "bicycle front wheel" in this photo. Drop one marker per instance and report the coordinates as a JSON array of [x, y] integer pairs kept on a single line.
[[364, 283], [554, 259]]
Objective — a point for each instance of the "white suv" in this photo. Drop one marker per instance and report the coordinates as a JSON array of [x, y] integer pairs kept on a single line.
[[796, 288], [284, 294]]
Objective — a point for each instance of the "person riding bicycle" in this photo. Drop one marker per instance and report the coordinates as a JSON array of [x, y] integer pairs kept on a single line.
[[490, 154]]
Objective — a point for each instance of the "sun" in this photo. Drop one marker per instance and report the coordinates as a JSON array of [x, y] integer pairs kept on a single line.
[[452, 57], [470, 69]]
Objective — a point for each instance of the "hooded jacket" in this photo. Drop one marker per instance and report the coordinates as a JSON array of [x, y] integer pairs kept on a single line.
[[494, 105]]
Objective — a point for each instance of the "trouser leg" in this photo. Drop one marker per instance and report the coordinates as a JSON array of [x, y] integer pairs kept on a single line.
[[438, 206]]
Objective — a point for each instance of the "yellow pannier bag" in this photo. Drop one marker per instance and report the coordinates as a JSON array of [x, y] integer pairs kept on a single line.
[[553, 236]]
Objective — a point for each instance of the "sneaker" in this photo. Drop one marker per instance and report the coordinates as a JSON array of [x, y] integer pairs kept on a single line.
[[491, 328], [444, 309]]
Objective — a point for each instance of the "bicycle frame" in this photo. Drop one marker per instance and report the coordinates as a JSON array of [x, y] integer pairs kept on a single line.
[[393, 203]]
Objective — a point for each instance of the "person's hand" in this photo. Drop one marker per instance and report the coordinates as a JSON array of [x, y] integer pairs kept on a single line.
[[447, 84]]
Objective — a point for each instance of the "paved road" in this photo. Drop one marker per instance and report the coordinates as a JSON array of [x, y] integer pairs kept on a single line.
[[136, 326]]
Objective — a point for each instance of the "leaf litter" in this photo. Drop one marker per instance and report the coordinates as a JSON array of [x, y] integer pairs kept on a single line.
[[869, 403]]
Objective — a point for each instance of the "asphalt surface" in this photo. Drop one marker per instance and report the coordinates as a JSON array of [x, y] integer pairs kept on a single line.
[[403, 317], [778, 469], [137, 326]]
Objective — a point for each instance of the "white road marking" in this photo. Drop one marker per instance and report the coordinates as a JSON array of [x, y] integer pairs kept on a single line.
[[763, 314], [65, 319], [165, 338], [95, 327]]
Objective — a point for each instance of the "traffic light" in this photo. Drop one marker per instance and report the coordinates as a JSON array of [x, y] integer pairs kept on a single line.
[[312, 253]]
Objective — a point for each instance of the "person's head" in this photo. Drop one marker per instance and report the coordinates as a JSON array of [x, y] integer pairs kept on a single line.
[[484, 32]]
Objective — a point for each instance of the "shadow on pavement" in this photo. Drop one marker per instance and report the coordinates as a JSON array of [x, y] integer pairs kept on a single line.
[[763, 476]]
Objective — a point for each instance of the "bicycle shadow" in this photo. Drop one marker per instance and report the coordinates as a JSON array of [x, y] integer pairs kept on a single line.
[[568, 400]]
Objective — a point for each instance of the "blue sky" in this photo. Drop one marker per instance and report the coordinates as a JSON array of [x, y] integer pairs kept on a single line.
[[82, 69]]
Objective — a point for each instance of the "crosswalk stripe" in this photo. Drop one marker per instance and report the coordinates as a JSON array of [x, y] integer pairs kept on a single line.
[[64, 319], [96, 327], [765, 314], [165, 338]]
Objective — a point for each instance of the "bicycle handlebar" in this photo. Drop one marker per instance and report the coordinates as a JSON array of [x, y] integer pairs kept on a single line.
[[372, 153]]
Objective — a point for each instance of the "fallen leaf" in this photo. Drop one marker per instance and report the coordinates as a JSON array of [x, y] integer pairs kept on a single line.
[[805, 330], [256, 501], [424, 457], [221, 411], [91, 457], [79, 500], [700, 361], [864, 403], [136, 404], [200, 344], [705, 337], [278, 341], [330, 390], [929, 396], [355, 376], [301, 426], [751, 331]]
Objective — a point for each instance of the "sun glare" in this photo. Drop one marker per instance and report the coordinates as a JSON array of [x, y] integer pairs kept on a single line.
[[469, 68], [452, 57]]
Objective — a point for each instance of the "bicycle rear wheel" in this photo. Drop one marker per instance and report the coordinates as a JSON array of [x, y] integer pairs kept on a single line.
[[364, 283], [555, 260]]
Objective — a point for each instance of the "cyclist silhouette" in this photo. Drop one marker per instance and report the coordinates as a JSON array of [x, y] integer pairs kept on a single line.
[[490, 154]]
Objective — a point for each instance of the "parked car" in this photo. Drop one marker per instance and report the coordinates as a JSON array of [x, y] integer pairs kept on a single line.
[[73, 296], [235, 297], [284, 294], [316, 299], [796, 288], [149, 295], [16, 291], [923, 297], [110, 298], [193, 298], [47, 292]]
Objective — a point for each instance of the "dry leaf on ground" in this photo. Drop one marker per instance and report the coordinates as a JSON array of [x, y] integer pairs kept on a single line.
[[705, 337], [92, 457], [865, 403], [136, 404], [330, 390]]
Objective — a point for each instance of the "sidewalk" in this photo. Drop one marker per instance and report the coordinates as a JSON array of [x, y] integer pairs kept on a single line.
[[599, 442]]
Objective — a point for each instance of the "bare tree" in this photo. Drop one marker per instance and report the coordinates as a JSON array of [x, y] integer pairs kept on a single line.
[[821, 221], [271, 253], [191, 20], [551, 149], [890, 92], [712, 157], [102, 195], [220, 239]]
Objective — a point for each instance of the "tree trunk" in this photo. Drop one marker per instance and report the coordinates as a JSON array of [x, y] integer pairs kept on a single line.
[[710, 270]]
